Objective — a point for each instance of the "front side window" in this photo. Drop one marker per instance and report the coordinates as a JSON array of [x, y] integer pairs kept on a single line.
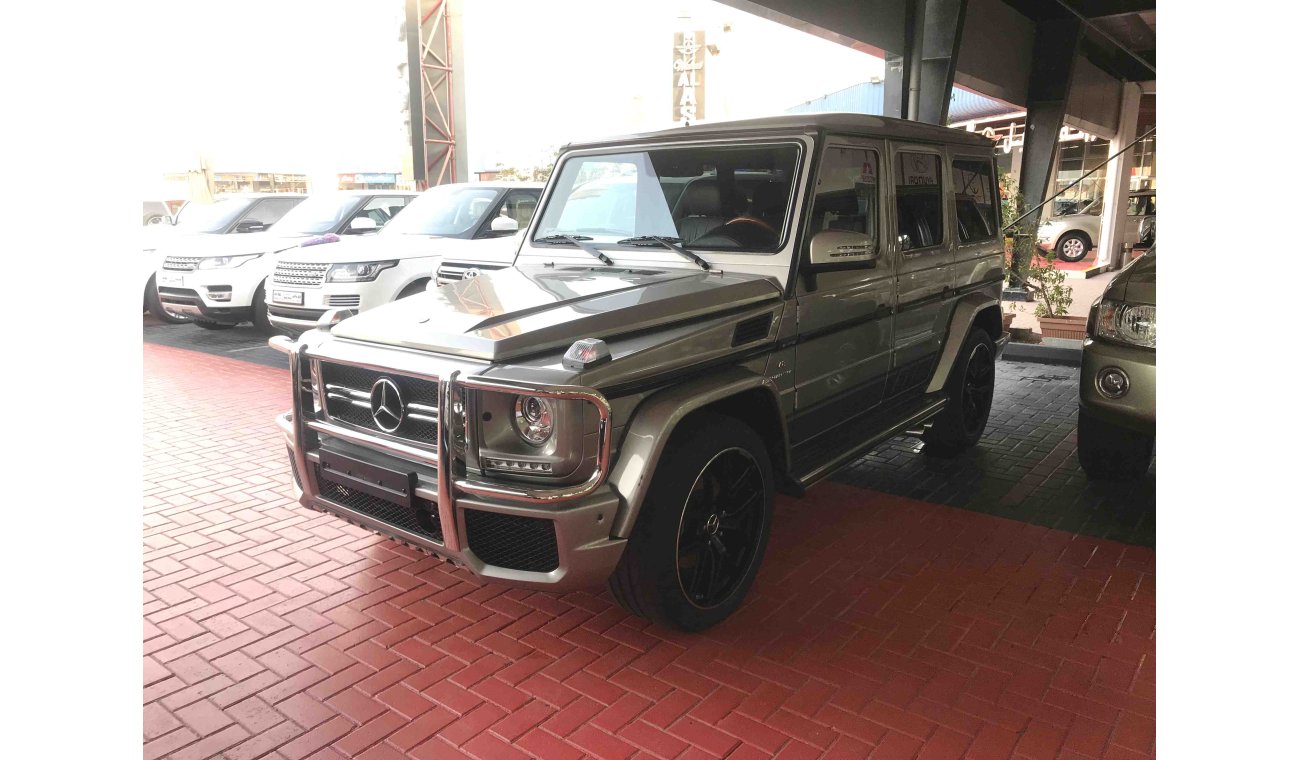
[[715, 198], [515, 212], [919, 189], [445, 210], [848, 192], [381, 210], [211, 217], [976, 199]]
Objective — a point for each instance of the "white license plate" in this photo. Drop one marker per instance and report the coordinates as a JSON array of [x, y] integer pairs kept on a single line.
[[293, 297], [171, 280]]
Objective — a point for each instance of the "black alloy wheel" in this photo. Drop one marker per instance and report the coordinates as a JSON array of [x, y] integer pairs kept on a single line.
[[977, 389], [720, 527]]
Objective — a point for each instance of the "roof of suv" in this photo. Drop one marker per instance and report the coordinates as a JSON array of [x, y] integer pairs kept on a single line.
[[837, 123]]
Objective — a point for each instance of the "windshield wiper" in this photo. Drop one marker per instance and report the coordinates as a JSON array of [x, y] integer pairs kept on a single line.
[[671, 243], [575, 240]]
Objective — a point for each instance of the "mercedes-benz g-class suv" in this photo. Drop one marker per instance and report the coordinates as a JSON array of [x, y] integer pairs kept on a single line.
[[756, 304]]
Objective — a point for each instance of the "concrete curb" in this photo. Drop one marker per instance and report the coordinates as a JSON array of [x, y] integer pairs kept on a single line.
[[1050, 351]]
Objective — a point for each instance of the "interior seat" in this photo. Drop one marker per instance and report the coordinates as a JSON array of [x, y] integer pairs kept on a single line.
[[699, 210]]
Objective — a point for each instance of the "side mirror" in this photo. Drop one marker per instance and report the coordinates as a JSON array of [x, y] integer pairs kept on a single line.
[[504, 224], [832, 249], [251, 226], [362, 224]]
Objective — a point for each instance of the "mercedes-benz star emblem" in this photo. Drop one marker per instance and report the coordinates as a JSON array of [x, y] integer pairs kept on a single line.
[[386, 407]]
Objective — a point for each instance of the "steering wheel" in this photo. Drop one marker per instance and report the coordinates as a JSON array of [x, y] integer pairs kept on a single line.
[[750, 220]]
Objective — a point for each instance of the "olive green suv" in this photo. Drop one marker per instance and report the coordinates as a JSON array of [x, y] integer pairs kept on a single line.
[[696, 320], [1117, 386]]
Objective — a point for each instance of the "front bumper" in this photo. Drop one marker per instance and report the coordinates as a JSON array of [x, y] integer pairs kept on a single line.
[[190, 303], [1136, 409], [557, 545]]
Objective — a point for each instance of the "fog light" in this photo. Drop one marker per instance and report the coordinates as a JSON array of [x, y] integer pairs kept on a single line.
[[219, 295], [1112, 382]]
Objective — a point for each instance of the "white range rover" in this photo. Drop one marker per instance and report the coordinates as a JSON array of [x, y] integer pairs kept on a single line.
[[446, 232], [218, 281]]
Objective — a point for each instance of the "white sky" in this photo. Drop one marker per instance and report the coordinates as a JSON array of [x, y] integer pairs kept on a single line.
[[313, 85]]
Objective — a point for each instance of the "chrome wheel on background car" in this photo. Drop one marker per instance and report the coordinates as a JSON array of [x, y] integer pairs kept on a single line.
[[719, 528], [1072, 246]]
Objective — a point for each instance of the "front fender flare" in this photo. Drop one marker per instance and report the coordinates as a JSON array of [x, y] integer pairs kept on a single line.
[[653, 424]]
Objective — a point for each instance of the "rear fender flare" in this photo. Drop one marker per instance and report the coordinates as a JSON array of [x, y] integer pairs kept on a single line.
[[964, 313]]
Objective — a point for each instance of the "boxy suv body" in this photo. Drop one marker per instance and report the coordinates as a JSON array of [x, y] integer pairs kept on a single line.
[[760, 303], [474, 224], [220, 281]]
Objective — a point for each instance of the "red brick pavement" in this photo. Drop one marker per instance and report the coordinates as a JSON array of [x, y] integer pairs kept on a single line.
[[879, 627]]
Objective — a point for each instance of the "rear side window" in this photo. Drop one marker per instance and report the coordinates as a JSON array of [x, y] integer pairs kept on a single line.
[[920, 199], [976, 199]]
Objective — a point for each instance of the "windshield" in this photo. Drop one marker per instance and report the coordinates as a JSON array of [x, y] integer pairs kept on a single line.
[[317, 214], [212, 217], [446, 210], [715, 198]]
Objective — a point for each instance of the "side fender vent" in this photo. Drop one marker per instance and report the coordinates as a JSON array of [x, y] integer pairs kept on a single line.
[[752, 329]]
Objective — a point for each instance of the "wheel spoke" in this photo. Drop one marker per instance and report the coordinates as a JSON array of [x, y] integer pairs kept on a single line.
[[720, 524]]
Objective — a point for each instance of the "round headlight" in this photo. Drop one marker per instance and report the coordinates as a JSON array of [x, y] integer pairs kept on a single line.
[[534, 419]]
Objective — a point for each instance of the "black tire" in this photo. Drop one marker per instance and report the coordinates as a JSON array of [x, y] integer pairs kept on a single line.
[[1066, 250], [206, 325], [1110, 452], [416, 287], [970, 397], [261, 319], [155, 307], [685, 526]]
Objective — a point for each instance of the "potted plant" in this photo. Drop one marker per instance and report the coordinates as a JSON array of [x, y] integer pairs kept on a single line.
[[1054, 299]]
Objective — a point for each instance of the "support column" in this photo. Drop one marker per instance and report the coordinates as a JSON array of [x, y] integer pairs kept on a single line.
[[1055, 45], [942, 39], [1114, 214], [902, 71]]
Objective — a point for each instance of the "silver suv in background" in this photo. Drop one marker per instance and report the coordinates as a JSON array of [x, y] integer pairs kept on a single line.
[[697, 319]]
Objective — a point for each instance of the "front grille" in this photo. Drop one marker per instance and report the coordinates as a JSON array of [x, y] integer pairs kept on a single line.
[[297, 273], [422, 520], [511, 541], [181, 263], [347, 399], [450, 271], [347, 302]]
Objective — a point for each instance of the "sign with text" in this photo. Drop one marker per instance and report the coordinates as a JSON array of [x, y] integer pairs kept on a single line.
[[688, 76]]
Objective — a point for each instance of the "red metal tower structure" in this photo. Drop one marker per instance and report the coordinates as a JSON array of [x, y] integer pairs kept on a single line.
[[433, 82]]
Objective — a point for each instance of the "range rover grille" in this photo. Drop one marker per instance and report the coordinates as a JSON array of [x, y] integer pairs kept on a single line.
[[454, 271], [423, 520], [347, 399], [181, 263], [297, 273]]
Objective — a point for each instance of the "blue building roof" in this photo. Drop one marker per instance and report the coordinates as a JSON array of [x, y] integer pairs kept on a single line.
[[869, 98]]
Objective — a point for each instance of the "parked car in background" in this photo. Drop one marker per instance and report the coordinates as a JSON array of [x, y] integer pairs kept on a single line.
[[1117, 386], [666, 353], [161, 212], [1072, 236], [218, 281], [240, 213], [473, 223]]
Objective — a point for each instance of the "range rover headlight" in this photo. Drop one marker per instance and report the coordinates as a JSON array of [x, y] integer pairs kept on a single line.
[[1134, 324], [226, 262], [359, 271], [534, 419]]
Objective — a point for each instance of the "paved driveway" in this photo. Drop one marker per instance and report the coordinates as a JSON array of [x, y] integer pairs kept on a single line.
[[884, 624]]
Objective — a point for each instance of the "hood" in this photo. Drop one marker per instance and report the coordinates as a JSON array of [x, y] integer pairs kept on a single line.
[[227, 245], [382, 247], [515, 312], [1136, 283]]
